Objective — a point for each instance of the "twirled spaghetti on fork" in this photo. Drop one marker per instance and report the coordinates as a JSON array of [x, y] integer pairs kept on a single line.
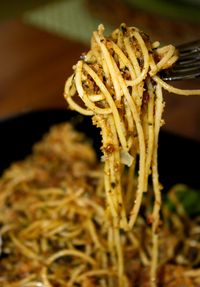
[[118, 84]]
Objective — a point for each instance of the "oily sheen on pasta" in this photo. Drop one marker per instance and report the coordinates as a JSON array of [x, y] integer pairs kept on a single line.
[[117, 83]]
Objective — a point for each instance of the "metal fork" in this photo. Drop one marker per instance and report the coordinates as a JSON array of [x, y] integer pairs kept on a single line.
[[188, 64]]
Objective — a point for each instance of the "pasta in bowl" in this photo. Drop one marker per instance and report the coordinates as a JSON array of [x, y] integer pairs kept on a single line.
[[41, 212]]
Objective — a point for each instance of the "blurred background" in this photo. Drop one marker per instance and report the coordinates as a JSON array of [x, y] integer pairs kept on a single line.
[[167, 20], [42, 39]]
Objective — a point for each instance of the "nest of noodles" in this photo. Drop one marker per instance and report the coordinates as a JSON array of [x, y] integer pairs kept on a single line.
[[54, 230]]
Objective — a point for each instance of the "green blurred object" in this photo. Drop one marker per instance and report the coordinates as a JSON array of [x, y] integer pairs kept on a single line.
[[69, 18], [13, 9], [177, 9], [189, 198]]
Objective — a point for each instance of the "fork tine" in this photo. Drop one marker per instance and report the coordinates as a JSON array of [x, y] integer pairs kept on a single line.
[[193, 53], [189, 51], [187, 70], [188, 46], [174, 76], [188, 61], [169, 75], [191, 63]]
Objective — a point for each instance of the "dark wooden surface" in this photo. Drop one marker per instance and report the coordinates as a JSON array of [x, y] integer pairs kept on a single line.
[[34, 67], [35, 64]]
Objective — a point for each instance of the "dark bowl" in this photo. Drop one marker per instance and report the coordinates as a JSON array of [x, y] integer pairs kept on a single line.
[[177, 156]]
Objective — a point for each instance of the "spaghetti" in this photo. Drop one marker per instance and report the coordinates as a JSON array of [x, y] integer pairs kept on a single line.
[[54, 230], [117, 83]]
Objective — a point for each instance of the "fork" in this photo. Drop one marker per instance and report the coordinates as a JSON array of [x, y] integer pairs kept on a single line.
[[188, 64]]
